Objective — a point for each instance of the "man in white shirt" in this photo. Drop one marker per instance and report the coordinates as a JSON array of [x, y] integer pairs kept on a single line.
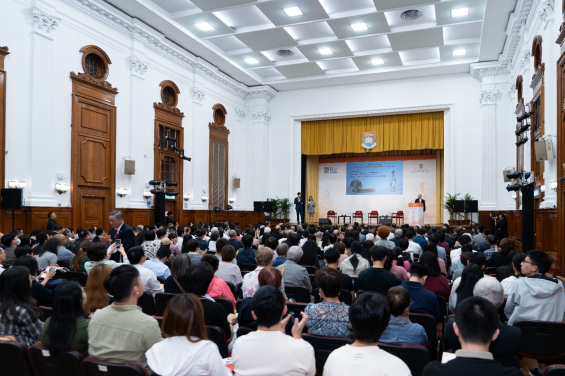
[[369, 317], [413, 247], [136, 257], [293, 355]]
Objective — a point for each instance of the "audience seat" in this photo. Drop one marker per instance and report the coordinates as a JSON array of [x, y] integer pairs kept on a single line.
[[238, 304], [344, 296], [298, 293], [232, 289], [243, 330], [95, 367], [554, 370], [161, 280], [442, 303], [216, 335], [429, 323], [14, 359], [46, 312], [239, 290], [161, 300], [312, 281], [79, 277], [490, 271], [542, 340], [147, 304], [47, 363], [310, 268], [296, 308], [225, 303], [415, 356], [323, 347], [247, 267]]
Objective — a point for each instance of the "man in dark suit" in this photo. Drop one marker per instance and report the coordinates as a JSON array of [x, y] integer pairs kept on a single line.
[[420, 200], [299, 206], [120, 230], [51, 224]]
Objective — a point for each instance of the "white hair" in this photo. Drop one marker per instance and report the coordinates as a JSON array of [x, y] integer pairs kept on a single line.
[[295, 253], [398, 232], [490, 289], [369, 237], [267, 230]]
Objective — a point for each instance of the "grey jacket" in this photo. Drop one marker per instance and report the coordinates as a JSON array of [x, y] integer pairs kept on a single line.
[[295, 274]]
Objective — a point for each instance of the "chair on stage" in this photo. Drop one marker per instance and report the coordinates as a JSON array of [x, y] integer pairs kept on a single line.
[[373, 214], [358, 214], [332, 214], [396, 217]]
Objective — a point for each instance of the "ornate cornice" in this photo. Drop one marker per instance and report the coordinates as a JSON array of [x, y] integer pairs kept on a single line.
[[480, 70], [545, 12], [239, 114], [198, 95], [260, 114], [488, 97], [523, 61], [511, 89], [137, 66], [44, 20], [93, 82], [260, 93], [173, 110]]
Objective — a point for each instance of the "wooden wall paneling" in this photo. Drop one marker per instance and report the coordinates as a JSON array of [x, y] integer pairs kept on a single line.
[[31, 218], [3, 53], [134, 217], [219, 134], [514, 218], [560, 148]]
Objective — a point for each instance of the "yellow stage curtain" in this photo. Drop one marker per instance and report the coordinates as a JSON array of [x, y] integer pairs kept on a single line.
[[393, 132], [312, 166]]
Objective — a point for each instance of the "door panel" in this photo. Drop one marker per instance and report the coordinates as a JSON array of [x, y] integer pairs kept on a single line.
[[92, 211], [94, 166]]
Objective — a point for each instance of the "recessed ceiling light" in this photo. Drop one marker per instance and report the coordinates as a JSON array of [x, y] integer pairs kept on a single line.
[[359, 26], [252, 60], [293, 11], [459, 12], [377, 61], [459, 52], [325, 51], [205, 26]]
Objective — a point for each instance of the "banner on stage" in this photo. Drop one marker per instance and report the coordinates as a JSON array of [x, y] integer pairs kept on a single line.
[[416, 214], [374, 178]]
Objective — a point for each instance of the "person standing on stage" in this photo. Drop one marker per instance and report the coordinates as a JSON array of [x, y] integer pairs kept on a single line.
[[420, 200], [299, 206], [311, 209]]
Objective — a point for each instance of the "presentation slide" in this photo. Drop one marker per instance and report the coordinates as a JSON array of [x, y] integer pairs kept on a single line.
[[374, 178]]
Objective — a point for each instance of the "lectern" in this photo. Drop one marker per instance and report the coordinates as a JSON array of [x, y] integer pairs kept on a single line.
[[416, 214]]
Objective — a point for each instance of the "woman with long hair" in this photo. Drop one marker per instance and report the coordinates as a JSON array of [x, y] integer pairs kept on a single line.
[[179, 266], [96, 294], [436, 282], [186, 349], [80, 258], [471, 275], [432, 247], [354, 264], [310, 256], [67, 328], [498, 258], [311, 209], [508, 283], [19, 316], [48, 254]]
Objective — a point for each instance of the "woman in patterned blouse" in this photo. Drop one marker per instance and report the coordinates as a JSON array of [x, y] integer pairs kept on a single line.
[[151, 244], [19, 318], [330, 317]]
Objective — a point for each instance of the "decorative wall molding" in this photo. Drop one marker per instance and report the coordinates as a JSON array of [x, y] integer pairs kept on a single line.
[[260, 114], [488, 97], [101, 84], [43, 20], [481, 70], [545, 12], [137, 66], [239, 114], [511, 89], [260, 93], [524, 59], [198, 95]]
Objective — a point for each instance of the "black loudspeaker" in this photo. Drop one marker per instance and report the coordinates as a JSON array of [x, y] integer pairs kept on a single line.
[[268, 206], [12, 198], [459, 206], [258, 206], [472, 206], [325, 221], [159, 206], [528, 217], [386, 221]]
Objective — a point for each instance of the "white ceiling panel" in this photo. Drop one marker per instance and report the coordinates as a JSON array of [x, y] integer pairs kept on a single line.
[[471, 51], [311, 10], [267, 39], [229, 44], [471, 30], [338, 66], [311, 32], [190, 22], [343, 8], [300, 70], [175, 6], [314, 52], [391, 59], [376, 23], [296, 56], [397, 24], [219, 4], [416, 39], [395, 4], [476, 9], [420, 56], [369, 45], [242, 19], [268, 72], [252, 60]]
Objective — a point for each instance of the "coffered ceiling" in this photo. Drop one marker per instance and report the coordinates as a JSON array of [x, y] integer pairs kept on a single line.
[[324, 42]]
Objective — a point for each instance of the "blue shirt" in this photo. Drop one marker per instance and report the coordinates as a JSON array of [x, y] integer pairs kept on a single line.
[[423, 301], [157, 267], [441, 253], [202, 244], [402, 332], [278, 261], [395, 240], [236, 244], [420, 240], [246, 256]]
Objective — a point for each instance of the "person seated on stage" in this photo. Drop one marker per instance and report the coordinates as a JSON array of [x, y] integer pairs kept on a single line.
[[476, 326], [295, 274], [355, 264], [377, 278], [383, 232], [400, 330]]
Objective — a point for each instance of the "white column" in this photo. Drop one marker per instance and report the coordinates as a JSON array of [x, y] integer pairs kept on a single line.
[[488, 144], [237, 148], [260, 117], [198, 175]]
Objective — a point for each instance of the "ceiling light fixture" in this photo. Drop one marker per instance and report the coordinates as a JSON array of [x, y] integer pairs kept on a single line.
[[325, 51], [361, 26], [293, 11], [252, 60], [459, 12], [459, 52], [377, 61], [205, 26]]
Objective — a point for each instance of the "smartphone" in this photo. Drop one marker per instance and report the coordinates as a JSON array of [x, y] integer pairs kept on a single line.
[[47, 270], [118, 243]]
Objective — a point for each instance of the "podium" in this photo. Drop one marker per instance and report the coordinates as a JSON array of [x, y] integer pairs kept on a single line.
[[416, 214]]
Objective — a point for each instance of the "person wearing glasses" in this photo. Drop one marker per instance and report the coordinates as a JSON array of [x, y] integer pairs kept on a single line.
[[400, 330]]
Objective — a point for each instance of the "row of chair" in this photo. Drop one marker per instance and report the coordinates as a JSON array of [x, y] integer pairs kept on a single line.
[[374, 214]]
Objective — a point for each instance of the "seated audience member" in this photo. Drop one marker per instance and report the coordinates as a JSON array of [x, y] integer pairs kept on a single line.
[[96, 294], [329, 317], [246, 254], [197, 280], [383, 232], [173, 240], [179, 266], [460, 264], [492, 241], [10, 242], [80, 258], [186, 349], [282, 252], [435, 282], [310, 254], [455, 254], [157, 265], [151, 244], [498, 257], [390, 265], [295, 274], [293, 355], [48, 255], [19, 316], [98, 253], [474, 258], [536, 296], [354, 264], [121, 332], [331, 257], [484, 245], [432, 247], [369, 317], [267, 276], [508, 283], [423, 300], [67, 328], [202, 240], [476, 326], [191, 246], [471, 275], [136, 257], [214, 236], [507, 270], [377, 278], [508, 340], [234, 242], [23, 251], [398, 234], [63, 254], [340, 247], [227, 270], [39, 290], [415, 243], [400, 330], [218, 287], [220, 244]]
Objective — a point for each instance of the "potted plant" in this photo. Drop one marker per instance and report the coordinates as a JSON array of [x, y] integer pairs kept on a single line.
[[466, 198], [281, 206], [449, 203]]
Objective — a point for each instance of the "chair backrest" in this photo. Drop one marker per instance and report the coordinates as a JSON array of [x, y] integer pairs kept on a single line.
[[323, 347], [345, 296], [554, 370], [161, 280], [46, 312], [428, 322], [14, 359], [47, 363], [358, 212], [331, 212], [232, 289], [243, 330], [95, 367], [541, 339], [375, 212], [80, 277], [400, 213], [491, 271], [216, 335], [147, 304], [296, 308], [161, 300], [415, 356], [247, 267], [298, 293], [442, 303], [312, 281], [310, 269]]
